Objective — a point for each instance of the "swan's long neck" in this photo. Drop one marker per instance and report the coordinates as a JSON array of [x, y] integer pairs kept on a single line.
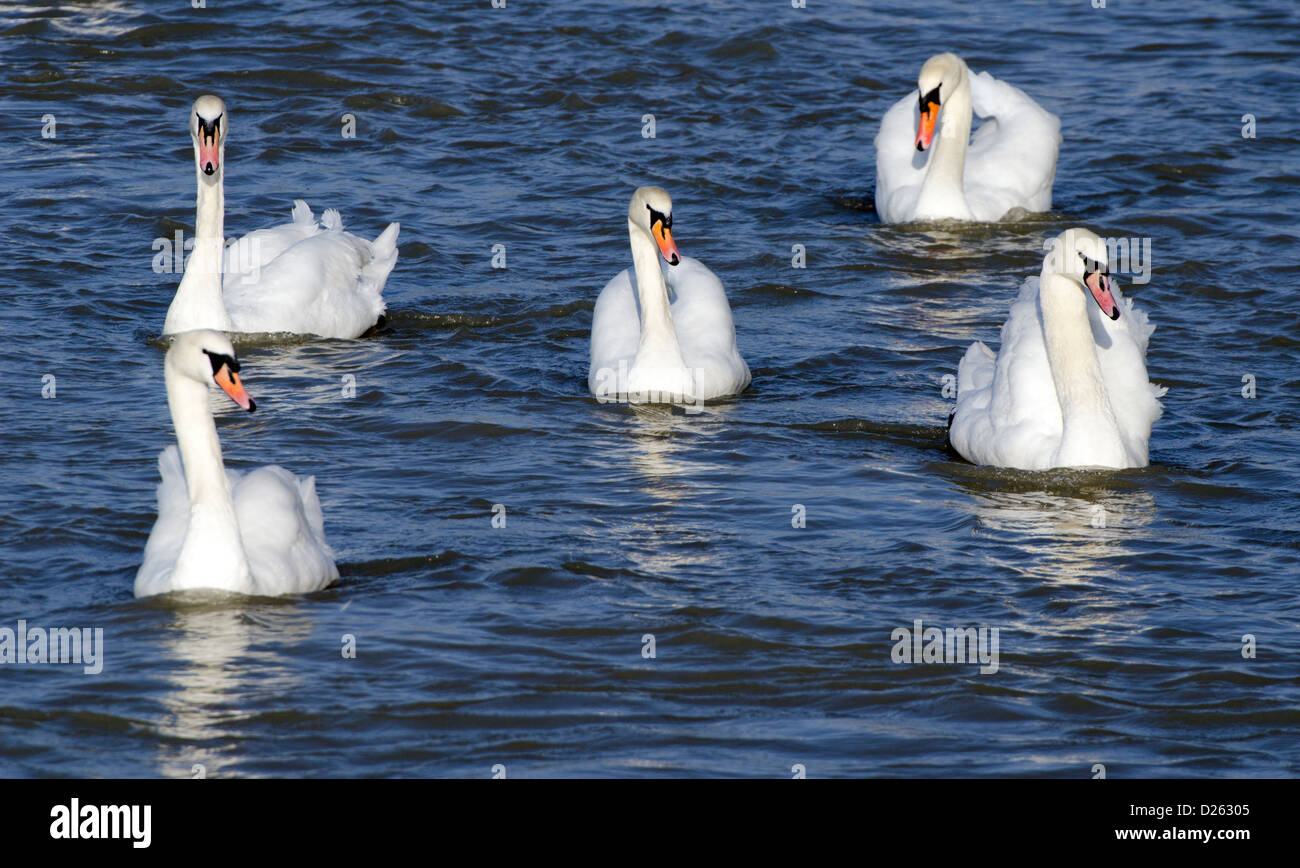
[[198, 303], [944, 185], [213, 553], [658, 347], [1090, 434]]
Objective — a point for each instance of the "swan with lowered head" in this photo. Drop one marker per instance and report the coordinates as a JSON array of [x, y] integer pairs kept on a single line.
[[1010, 163], [1068, 387], [259, 533], [302, 277], [663, 334]]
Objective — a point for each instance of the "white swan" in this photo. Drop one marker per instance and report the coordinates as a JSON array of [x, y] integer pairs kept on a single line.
[[260, 532], [662, 335], [301, 277], [1068, 387], [1010, 163]]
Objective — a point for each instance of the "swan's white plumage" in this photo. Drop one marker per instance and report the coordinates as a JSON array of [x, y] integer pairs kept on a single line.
[[260, 532], [1008, 413], [306, 277], [302, 277], [1010, 160], [701, 315], [662, 331]]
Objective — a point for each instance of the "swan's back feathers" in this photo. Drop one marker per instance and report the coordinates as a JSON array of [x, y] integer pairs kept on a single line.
[[1011, 162], [706, 332], [249, 254], [1121, 351], [309, 278], [329, 283], [283, 531]]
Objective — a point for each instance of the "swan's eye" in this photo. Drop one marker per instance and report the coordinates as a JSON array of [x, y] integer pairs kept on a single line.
[[931, 98]]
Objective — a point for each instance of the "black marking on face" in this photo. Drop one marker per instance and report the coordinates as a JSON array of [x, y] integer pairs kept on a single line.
[[930, 98], [209, 129], [1091, 266], [220, 359], [658, 216]]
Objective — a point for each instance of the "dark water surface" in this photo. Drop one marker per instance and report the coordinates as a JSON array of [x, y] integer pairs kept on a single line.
[[522, 645]]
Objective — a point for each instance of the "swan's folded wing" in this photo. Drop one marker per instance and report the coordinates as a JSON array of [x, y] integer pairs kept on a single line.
[[255, 250], [971, 427], [282, 528], [1016, 420], [1011, 162], [615, 333], [317, 286], [169, 529], [1121, 351], [706, 332], [899, 171]]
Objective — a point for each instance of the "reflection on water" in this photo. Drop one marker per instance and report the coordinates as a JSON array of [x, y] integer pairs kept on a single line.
[[662, 446], [659, 444], [1065, 526], [221, 678]]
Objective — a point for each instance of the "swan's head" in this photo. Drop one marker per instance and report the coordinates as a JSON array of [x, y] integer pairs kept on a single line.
[[205, 356], [1082, 257], [938, 79], [208, 129], [651, 211]]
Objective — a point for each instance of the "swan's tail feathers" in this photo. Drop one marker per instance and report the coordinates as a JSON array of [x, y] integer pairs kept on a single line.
[[332, 220], [387, 241], [374, 274], [383, 255], [311, 506], [302, 213]]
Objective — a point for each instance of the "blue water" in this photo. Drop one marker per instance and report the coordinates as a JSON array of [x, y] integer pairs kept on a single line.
[[522, 646]]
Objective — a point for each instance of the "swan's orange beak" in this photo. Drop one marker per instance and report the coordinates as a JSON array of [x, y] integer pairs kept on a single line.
[[229, 382], [667, 247], [925, 125], [1099, 285]]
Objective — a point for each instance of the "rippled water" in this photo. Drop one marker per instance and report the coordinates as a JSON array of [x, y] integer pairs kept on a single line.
[[523, 645]]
